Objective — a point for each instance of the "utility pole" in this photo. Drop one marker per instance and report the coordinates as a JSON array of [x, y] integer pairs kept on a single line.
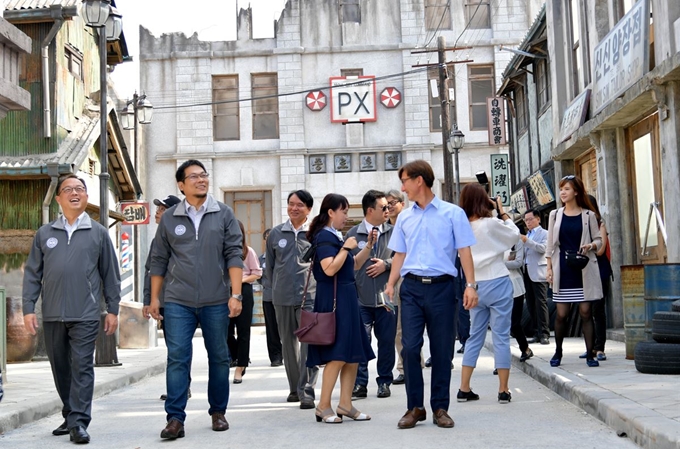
[[446, 120]]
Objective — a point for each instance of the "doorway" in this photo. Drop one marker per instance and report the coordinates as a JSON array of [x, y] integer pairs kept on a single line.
[[254, 209]]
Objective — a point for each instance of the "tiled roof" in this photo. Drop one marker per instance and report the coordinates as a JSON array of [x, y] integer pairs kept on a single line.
[[13, 5]]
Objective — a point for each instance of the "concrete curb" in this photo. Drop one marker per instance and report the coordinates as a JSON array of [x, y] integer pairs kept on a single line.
[[44, 406], [647, 428]]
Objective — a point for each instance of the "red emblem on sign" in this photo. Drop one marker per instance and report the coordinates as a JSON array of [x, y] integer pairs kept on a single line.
[[390, 97], [316, 100]]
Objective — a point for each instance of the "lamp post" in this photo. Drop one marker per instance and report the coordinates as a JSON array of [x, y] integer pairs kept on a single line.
[[455, 144], [99, 14]]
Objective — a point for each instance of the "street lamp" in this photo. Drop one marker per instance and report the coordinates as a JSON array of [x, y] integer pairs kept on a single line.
[[455, 144]]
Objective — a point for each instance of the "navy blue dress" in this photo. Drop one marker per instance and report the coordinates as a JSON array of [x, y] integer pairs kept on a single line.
[[351, 341], [571, 279]]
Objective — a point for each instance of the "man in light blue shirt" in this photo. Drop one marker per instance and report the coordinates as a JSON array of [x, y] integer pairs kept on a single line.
[[425, 240]]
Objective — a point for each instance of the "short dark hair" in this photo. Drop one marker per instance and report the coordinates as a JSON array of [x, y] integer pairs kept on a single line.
[[370, 199], [332, 201], [304, 196], [69, 176], [534, 212], [418, 168], [266, 233], [475, 201], [180, 175]]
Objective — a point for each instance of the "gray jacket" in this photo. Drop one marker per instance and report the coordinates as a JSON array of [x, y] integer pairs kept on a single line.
[[264, 280], [369, 288], [284, 269], [72, 274], [195, 266]]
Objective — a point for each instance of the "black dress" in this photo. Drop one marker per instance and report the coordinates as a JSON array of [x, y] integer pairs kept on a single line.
[[571, 279], [351, 341]]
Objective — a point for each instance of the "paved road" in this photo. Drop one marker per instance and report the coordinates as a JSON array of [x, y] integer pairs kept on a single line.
[[260, 418]]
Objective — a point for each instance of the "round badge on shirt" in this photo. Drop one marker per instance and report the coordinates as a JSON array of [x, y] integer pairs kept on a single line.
[[283, 243], [180, 229], [52, 242], [362, 245]]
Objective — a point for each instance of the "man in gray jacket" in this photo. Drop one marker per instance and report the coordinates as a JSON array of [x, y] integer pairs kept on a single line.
[[534, 276], [286, 244], [196, 243], [372, 262], [73, 264]]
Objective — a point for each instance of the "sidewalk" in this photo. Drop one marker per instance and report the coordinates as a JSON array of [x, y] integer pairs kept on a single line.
[[644, 407]]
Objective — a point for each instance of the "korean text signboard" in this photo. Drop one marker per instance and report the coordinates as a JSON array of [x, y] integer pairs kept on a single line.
[[135, 213], [496, 110], [575, 115], [622, 57], [542, 192], [353, 99], [518, 201], [500, 178]]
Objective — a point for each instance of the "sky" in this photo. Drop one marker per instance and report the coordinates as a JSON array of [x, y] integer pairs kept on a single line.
[[211, 19]]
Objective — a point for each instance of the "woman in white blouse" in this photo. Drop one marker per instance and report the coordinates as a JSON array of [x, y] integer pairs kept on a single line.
[[494, 237]]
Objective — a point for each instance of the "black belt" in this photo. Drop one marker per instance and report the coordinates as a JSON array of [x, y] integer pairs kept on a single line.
[[430, 279]]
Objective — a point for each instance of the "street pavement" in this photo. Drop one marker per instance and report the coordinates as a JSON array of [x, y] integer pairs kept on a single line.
[[128, 414]]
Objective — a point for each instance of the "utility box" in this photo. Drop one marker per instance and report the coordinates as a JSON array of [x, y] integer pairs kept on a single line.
[[135, 331]]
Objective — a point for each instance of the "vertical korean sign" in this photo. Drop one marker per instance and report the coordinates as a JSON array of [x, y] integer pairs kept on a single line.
[[496, 110], [500, 178], [622, 57]]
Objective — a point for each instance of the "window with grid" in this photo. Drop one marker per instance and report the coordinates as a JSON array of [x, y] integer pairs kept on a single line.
[[74, 61], [521, 109], [543, 83], [225, 107], [480, 87], [349, 11], [265, 92], [437, 15], [478, 14], [434, 102]]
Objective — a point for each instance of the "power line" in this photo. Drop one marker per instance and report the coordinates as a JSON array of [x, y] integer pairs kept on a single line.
[[447, 9]]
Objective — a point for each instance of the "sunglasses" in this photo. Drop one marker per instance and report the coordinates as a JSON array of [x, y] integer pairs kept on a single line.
[[385, 208], [569, 177]]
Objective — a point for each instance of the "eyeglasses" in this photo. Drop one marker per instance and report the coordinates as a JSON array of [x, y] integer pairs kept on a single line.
[[69, 190], [195, 177], [393, 203], [403, 180], [569, 177], [385, 208]]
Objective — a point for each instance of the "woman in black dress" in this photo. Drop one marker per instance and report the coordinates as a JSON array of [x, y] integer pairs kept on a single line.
[[334, 263], [573, 228]]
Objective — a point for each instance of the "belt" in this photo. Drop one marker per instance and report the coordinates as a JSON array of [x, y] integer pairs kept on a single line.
[[430, 279]]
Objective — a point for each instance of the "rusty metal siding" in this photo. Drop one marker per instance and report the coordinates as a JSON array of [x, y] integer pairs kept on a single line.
[[21, 204]]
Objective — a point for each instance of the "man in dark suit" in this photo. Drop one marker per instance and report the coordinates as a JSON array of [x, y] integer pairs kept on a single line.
[[534, 276]]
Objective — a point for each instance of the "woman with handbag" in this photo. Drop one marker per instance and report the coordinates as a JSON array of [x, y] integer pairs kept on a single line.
[[573, 241], [333, 268]]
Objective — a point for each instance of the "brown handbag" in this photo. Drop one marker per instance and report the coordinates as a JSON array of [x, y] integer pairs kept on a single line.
[[317, 328]]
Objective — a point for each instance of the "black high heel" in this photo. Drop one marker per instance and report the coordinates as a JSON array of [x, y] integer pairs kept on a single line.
[[556, 360], [243, 373]]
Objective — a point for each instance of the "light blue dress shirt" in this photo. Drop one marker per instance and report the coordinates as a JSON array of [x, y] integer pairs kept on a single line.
[[431, 238]]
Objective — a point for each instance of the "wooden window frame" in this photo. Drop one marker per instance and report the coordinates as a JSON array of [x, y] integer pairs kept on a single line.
[[255, 93], [72, 54], [471, 79], [343, 11], [521, 110], [437, 15], [471, 7], [215, 107], [543, 86]]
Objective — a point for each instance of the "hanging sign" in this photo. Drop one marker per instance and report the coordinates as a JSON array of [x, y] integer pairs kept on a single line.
[[519, 202], [500, 178], [496, 110], [135, 213], [353, 99], [540, 188], [575, 115]]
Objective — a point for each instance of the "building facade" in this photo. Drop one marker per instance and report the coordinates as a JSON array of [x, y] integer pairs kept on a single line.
[[298, 133]]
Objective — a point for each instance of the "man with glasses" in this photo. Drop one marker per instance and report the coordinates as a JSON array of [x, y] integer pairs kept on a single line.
[[286, 244], [196, 257], [274, 348], [73, 264], [372, 262], [534, 277], [426, 240]]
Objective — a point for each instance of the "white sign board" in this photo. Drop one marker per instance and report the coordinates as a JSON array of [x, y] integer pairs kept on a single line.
[[575, 115], [500, 178], [518, 201], [622, 57], [495, 107], [353, 99]]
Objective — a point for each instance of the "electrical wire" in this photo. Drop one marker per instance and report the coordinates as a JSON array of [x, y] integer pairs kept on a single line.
[[447, 10]]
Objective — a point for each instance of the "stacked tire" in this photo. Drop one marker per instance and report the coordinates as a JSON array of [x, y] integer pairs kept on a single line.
[[661, 356]]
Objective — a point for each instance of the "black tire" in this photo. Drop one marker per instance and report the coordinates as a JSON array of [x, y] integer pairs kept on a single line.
[[675, 306], [666, 327], [657, 358]]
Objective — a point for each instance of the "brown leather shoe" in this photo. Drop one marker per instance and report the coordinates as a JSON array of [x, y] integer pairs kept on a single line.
[[442, 419], [411, 417], [220, 423], [173, 429]]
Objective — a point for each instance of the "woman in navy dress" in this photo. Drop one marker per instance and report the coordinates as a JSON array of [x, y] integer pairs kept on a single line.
[[334, 259]]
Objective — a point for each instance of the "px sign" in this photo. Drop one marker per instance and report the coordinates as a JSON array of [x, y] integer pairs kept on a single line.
[[353, 99], [135, 213]]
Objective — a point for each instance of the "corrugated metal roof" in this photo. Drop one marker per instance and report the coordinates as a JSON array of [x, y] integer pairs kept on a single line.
[[38, 4]]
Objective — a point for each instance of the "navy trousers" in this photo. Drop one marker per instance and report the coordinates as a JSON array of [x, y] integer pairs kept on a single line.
[[384, 324], [430, 306]]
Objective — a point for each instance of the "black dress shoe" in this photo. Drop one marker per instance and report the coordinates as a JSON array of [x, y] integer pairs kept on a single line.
[[526, 355], [534, 340], [61, 430], [400, 380], [293, 397], [79, 435], [359, 392], [461, 350], [384, 391], [276, 363], [545, 341]]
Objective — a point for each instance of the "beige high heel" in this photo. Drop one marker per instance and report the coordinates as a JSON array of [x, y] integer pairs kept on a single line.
[[327, 416], [354, 414]]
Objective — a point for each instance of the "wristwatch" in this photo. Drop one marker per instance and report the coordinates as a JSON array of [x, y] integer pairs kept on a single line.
[[472, 285], [239, 297]]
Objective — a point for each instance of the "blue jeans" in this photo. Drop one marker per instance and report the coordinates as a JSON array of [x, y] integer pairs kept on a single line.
[[434, 306], [384, 324], [180, 324]]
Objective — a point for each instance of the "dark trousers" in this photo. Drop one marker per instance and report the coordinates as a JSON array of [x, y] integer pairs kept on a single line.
[[600, 316], [537, 305], [384, 323], [430, 306], [272, 329], [70, 349], [238, 336], [516, 323]]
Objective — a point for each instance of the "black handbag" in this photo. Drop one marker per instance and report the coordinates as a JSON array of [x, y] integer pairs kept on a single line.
[[317, 328], [576, 260]]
